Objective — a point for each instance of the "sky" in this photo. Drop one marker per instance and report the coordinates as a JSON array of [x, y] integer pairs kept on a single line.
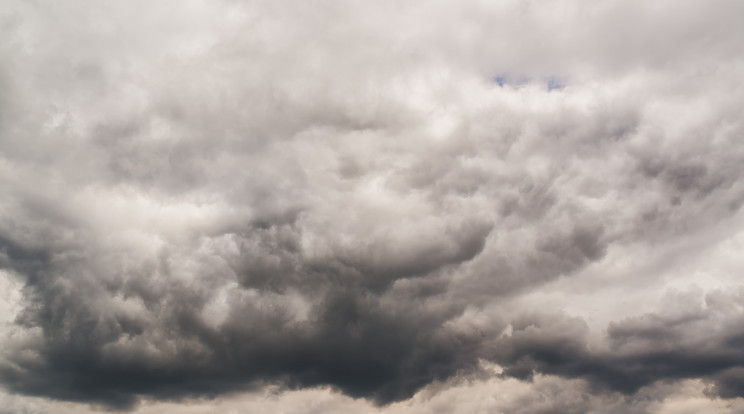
[[384, 207]]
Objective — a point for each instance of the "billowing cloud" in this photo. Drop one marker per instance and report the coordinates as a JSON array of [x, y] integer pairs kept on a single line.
[[405, 204], [692, 337]]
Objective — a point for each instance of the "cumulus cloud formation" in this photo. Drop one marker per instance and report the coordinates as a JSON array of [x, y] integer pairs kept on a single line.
[[331, 206]]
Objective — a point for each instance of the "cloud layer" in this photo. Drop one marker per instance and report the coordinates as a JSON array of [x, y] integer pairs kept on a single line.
[[205, 198]]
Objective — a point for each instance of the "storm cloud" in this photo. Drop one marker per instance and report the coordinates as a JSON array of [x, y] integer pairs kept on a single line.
[[389, 207]]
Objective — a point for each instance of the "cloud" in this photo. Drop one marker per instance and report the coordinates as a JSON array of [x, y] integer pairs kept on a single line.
[[691, 336], [201, 199]]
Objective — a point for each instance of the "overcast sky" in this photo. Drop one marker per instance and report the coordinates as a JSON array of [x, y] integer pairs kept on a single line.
[[388, 207]]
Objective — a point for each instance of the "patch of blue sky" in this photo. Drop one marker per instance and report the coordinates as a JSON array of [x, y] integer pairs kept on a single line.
[[554, 83], [551, 82]]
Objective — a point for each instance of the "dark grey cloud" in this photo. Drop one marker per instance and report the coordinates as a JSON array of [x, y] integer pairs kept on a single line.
[[690, 337], [111, 332]]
